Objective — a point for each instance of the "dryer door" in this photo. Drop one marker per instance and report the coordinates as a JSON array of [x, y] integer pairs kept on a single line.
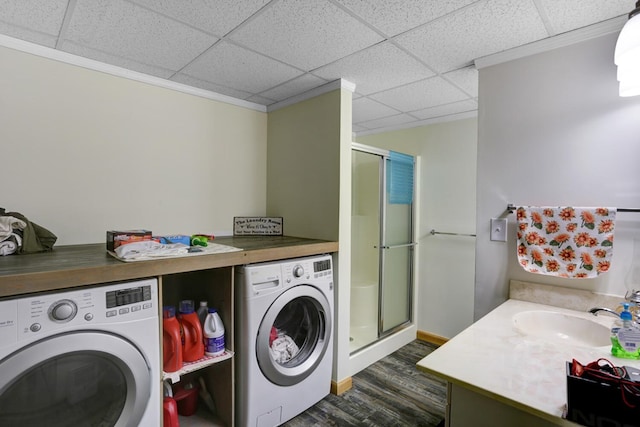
[[87, 378], [294, 335]]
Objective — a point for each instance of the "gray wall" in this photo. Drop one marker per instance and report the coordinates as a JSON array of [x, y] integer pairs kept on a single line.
[[553, 131]]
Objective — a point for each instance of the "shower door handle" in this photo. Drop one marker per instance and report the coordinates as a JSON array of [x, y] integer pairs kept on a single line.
[[404, 245]]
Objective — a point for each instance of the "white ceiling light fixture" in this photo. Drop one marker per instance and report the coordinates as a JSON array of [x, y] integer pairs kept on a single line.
[[627, 55]]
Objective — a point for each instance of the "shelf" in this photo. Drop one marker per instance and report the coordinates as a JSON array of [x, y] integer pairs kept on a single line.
[[189, 367]]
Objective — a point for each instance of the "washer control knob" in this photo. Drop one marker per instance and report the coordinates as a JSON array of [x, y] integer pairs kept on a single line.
[[63, 310], [298, 271]]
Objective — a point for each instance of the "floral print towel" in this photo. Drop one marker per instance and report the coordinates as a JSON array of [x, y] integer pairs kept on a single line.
[[575, 243]]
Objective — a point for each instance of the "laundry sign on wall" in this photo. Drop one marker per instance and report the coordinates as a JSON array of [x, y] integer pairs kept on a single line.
[[257, 226]]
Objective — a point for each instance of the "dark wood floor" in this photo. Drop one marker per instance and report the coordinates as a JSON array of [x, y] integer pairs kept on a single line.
[[391, 392]]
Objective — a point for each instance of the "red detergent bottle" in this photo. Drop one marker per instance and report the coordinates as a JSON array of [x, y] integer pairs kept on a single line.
[[192, 338], [171, 340]]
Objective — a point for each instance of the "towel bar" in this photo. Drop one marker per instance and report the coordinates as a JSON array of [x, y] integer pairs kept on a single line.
[[434, 232], [511, 207]]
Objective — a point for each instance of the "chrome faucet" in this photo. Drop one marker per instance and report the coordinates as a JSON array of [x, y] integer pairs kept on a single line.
[[596, 310]]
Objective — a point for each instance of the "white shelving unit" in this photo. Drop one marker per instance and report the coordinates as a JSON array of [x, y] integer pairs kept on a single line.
[[189, 367]]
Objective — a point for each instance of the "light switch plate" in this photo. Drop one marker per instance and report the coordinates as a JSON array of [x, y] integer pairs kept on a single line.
[[499, 229]]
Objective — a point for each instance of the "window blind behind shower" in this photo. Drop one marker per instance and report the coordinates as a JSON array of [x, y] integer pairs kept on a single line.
[[400, 178]]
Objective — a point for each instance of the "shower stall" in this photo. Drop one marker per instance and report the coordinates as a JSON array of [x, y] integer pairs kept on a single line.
[[381, 244]]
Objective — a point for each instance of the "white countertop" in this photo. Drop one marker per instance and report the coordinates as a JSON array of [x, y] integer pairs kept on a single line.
[[492, 358]]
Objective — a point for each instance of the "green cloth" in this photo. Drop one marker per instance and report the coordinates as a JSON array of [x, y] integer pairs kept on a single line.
[[35, 238]]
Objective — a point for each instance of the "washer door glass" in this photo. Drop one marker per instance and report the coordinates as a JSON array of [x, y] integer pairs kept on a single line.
[[294, 335], [75, 379]]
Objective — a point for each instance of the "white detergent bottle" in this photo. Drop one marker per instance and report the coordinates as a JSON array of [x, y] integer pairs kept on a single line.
[[202, 311], [213, 334]]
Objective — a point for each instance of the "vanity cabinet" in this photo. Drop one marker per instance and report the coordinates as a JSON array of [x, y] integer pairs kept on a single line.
[[202, 277], [466, 407]]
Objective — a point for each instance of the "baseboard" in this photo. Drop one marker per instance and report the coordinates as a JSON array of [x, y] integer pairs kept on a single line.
[[431, 338], [338, 388]]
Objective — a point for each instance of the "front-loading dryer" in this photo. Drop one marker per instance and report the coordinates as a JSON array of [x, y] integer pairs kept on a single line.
[[284, 339], [84, 357]]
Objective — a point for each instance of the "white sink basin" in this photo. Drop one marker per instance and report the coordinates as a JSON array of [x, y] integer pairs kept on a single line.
[[562, 328]]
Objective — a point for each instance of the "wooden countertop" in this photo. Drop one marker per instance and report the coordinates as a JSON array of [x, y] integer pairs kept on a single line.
[[78, 265]]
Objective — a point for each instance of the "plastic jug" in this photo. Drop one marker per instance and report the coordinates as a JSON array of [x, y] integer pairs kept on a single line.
[[202, 311], [170, 413], [169, 408], [192, 338], [171, 340], [213, 334]]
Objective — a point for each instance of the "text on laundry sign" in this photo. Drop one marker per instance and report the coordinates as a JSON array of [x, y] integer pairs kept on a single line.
[[264, 226]]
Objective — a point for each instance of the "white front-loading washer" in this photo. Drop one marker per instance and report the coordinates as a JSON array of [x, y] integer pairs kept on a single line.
[[85, 357], [284, 338]]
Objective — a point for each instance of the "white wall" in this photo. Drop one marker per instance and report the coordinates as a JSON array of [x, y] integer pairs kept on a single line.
[[553, 131], [84, 152], [446, 202]]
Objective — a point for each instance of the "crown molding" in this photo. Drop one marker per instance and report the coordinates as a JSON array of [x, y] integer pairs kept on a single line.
[[325, 88], [79, 61]]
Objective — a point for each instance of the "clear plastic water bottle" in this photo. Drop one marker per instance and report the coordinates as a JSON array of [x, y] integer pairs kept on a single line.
[[213, 334]]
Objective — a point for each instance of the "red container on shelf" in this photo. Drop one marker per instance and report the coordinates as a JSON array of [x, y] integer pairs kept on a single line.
[[170, 413], [186, 399], [192, 338], [171, 340]]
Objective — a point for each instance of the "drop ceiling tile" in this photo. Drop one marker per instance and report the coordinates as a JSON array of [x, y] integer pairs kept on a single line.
[[385, 122], [568, 15], [421, 95], [445, 110], [377, 68], [40, 16], [260, 100], [127, 63], [28, 35], [484, 28], [192, 81], [217, 17], [358, 128], [294, 87], [364, 109], [466, 79], [129, 31], [393, 17], [305, 33], [239, 68]]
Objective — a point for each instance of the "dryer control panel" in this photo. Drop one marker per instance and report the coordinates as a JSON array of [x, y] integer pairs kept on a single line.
[[304, 269]]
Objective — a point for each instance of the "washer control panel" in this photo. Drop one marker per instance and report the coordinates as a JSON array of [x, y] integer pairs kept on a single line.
[[35, 316], [63, 310]]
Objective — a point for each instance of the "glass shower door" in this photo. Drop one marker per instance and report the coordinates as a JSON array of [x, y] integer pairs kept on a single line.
[[381, 245], [397, 255], [366, 210]]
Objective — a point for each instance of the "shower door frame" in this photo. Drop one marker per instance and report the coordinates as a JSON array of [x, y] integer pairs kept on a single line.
[[383, 247]]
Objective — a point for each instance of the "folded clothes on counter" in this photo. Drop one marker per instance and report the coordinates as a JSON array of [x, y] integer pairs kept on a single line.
[[35, 238], [150, 249], [10, 245]]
